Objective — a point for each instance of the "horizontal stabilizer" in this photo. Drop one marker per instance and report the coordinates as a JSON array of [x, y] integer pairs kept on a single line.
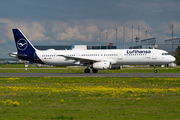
[[16, 55]]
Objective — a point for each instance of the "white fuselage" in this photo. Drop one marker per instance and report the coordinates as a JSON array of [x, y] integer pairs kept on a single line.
[[115, 57], [94, 59]]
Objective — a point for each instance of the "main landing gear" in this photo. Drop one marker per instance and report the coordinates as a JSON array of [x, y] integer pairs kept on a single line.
[[155, 71], [87, 70], [94, 71]]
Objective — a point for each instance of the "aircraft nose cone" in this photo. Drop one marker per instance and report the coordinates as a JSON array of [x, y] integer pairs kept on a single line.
[[173, 58]]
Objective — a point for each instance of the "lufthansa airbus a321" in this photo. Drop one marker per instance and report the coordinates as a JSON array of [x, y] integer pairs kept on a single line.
[[94, 59]]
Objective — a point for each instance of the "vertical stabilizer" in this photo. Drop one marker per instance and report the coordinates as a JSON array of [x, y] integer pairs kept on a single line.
[[22, 43], [25, 50]]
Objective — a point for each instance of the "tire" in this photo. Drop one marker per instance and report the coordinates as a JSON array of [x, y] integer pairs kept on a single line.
[[94, 71], [155, 71], [87, 70]]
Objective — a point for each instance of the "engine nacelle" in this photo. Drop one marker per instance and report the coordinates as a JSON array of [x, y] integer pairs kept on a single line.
[[101, 65]]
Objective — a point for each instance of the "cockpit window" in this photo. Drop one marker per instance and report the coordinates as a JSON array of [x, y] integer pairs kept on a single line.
[[165, 53]]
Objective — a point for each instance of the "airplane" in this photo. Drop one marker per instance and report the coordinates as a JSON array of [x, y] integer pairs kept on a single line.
[[93, 59]]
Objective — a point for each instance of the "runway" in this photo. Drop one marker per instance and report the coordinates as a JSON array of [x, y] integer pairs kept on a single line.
[[89, 75]]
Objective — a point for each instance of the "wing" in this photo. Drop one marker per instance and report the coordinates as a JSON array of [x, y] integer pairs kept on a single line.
[[81, 59]]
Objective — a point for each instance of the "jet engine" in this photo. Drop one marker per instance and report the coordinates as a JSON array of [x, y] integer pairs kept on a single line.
[[101, 65]]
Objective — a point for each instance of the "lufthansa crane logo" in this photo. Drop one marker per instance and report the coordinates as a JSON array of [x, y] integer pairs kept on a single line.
[[22, 44]]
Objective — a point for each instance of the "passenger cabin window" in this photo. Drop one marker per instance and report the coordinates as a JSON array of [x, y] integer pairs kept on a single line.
[[165, 53]]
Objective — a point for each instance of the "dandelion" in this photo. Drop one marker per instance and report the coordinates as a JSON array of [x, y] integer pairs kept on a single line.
[[15, 103], [123, 104], [139, 98], [49, 94], [62, 101], [9, 102]]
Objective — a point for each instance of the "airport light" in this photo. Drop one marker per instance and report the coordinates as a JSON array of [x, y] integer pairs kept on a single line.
[[138, 34], [116, 40], [124, 36], [106, 40], [146, 37], [172, 36], [100, 39], [132, 35]]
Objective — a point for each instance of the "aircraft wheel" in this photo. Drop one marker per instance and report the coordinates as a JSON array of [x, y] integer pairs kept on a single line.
[[87, 70], [155, 71], [95, 71]]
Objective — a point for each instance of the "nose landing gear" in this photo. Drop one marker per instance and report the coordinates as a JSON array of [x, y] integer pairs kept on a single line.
[[155, 71]]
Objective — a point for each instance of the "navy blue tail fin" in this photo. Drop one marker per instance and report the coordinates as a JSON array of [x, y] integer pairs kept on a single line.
[[25, 50], [23, 45]]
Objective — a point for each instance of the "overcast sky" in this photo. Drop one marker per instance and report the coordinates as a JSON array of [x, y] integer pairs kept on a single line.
[[69, 22]]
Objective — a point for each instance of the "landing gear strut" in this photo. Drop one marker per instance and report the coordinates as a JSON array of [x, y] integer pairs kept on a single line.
[[155, 71]]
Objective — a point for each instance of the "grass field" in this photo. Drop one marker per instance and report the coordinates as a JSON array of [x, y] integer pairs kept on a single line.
[[107, 98], [19, 68]]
